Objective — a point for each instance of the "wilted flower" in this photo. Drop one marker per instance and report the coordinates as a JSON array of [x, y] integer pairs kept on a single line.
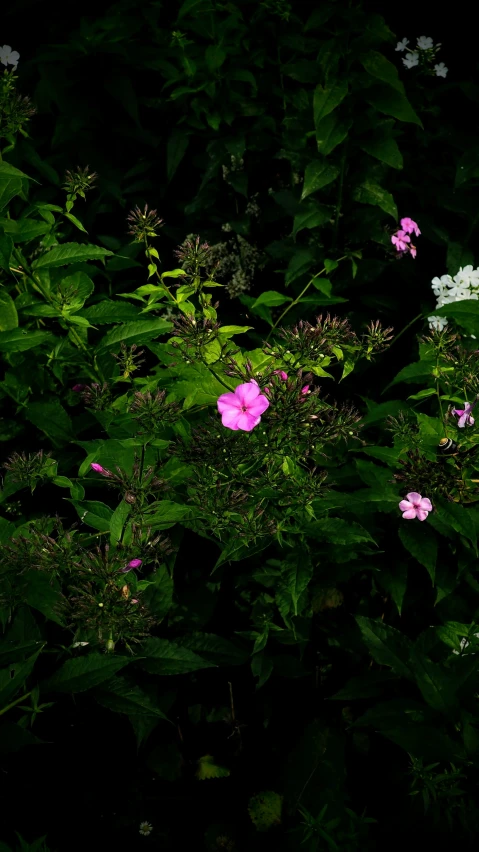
[[143, 224], [242, 409], [9, 56], [415, 506]]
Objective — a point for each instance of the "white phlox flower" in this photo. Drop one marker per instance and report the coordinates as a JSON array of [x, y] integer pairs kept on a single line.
[[425, 43], [9, 56], [441, 70], [411, 60], [401, 45]]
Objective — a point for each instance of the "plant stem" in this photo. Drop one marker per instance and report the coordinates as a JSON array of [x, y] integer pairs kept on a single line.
[[340, 197], [13, 703], [419, 316]]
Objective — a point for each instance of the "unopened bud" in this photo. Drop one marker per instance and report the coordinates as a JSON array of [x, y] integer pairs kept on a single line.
[[110, 646]]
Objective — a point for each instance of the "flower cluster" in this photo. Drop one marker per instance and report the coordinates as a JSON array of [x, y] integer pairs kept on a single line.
[[448, 289], [193, 255], [435, 477], [143, 224], [32, 469], [128, 359], [78, 182], [423, 55], [401, 239], [234, 262], [95, 396], [151, 411], [137, 487]]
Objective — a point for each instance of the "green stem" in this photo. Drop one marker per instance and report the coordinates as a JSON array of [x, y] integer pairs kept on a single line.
[[298, 298], [232, 390], [17, 701], [419, 316], [340, 197]]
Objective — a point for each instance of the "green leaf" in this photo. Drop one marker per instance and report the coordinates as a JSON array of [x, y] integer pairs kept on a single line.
[[8, 312], [330, 132], [371, 193], [465, 313], [14, 676], [169, 658], [119, 695], [43, 594], [206, 768], [11, 183], [6, 248], [19, 339], [457, 517], [175, 151], [394, 580], [214, 57], [24, 230], [118, 521], [94, 513], [385, 150], [217, 650], [51, 418], [73, 219], [227, 331], [318, 174], [271, 298], [78, 288], [311, 215], [134, 332], [391, 102], [109, 312], [378, 66], [421, 543], [265, 810], [164, 514], [158, 594], [436, 684], [296, 574], [12, 651], [338, 531], [327, 98], [387, 646], [69, 253], [458, 256], [82, 673]]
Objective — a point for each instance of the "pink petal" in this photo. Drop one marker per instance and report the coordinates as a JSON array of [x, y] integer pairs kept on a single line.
[[413, 251], [247, 421], [410, 514], [413, 497], [471, 420], [426, 504], [405, 505], [463, 420], [305, 389], [229, 418], [226, 401], [421, 514], [247, 393], [258, 406]]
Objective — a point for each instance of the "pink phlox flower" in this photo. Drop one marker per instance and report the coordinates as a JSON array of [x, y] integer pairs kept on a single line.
[[305, 389], [464, 414], [415, 506], [99, 469], [400, 239], [282, 374], [242, 409], [410, 226], [135, 563]]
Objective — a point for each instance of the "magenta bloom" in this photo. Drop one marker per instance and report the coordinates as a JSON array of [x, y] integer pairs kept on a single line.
[[410, 226], [78, 388], [281, 373], [400, 239], [135, 563], [413, 251], [415, 506], [464, 414], [243, 408], [99, 469]]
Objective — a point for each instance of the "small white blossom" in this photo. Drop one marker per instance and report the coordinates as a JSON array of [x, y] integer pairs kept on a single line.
[[146, 828], [411, 60], [401, 45], [437, 323], [441, 70], [9, 56], [425, 43]]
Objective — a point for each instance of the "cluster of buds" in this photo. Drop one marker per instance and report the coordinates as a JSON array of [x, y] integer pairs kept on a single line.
[[128, 359], [419, 474], [47, 547], [312, 343], [30, 469], [466, 370], [95, 396], [78, 182], [137, 487], [193, 255], [191, 336], [152, 412], [143, 224], [213, 444], [404, 429], [376, 339]]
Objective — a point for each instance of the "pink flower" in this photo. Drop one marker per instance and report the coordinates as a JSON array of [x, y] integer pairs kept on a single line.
[[410, 226], [134, 600], [415, 506], [243, 408], [281, 373], [135, 563], [305, 389], [400, 240], [464, 414], [99, 469], [78, 388], [413, 251]]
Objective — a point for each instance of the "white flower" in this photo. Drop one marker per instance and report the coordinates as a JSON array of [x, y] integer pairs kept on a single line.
[[441, 70], [9, 56], [465, 644], [80, 644], [425, 43], [437, 322], [401, 45], [411, 60], [146, 828]]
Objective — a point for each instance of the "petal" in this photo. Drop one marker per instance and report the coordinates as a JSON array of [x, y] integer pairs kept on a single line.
[[258, 406], [247, 421], [462, 421], [247, 393], [426, 504], [471, 420], [229, 418], [413, 497], [421, 514], [410, 514], [405, 505], [228, 400]]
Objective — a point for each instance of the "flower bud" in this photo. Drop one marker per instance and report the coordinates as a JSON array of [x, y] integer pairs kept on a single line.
[[110, 646]]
